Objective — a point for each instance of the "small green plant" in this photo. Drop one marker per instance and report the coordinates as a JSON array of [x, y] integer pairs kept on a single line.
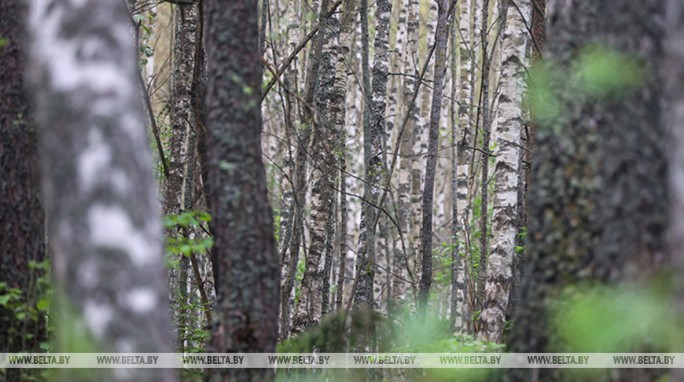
[[188, 238], [29, 311], [182, 245]]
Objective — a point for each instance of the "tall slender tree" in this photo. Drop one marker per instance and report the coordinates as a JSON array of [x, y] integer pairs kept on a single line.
[[441, 39], [499, 278], [21, 214], [374, 113], [247, 274], [309, 306], [177, 193], [104, 224]]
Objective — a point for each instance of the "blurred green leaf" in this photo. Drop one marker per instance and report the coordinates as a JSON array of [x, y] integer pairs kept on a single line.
[[600, 72], [612, 320], [542, 99]]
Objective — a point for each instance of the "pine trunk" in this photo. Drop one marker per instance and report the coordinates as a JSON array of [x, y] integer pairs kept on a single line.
[[247, 274], [22, 236]]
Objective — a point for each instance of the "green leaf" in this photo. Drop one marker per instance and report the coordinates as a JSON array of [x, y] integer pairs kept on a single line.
[[148, 51], [602, 72], [43, 304], [543, 101], [4, 299], [204, 216]]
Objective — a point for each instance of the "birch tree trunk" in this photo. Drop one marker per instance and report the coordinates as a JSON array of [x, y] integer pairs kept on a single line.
[[343, 67], [465, 139], [408, 208], [499, 277], [457, 292], [441, 38], [484, 170], [246, 260], [104, 223], [182, 118], [308, 311], [365, 266], [182, 126], [407, 40]]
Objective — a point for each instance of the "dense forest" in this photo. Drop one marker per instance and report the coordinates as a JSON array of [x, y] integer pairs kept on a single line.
[[342, 176]]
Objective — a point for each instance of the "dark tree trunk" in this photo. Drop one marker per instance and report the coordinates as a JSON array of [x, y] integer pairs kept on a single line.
[[248, 277], [21, 215], [441, 39], [598, 199]]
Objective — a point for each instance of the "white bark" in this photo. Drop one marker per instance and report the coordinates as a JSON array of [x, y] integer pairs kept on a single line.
[[104, 226], [499, 277]]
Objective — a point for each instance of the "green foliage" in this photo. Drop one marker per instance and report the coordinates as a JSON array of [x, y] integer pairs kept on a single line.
[[182, 245], [71, 336], [399, 332], [187, 307], [3, 42], [28, 314], [597, 74], [542, 98], [277, 221], [299, 276], [615, 319], [522, 236], [144, 22], [601, 72]]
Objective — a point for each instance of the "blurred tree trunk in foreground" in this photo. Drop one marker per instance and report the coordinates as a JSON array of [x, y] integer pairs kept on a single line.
[[592, 219], [103, 217]]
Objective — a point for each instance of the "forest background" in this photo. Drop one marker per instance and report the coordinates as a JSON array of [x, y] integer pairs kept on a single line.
[[342, 175]]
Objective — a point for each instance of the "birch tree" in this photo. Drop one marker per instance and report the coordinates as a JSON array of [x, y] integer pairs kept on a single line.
[[405, 212], [178, 188], [372, 135], [505, 226], [104, 223], [309, 306], [441, 38]]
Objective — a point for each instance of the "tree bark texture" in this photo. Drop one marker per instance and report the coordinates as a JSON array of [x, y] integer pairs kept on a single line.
[[591, 218], [247, 276], [505, 225], [22, 236], [104, 220], [441, 39], [373, 131]]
